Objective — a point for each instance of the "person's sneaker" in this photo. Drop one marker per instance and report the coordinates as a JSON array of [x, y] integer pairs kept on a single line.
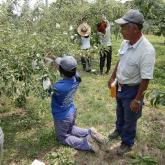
[[97, 136], [123, 148], [95, 147], [115, 134]]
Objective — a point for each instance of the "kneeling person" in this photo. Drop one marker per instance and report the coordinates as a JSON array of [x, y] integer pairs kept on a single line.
[[64, 110]]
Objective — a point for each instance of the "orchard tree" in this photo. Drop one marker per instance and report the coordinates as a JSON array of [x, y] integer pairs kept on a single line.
[[25, 43], [154, 14]]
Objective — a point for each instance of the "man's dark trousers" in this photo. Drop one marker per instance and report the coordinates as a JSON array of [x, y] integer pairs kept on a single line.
[[127, 119], [105, 54]]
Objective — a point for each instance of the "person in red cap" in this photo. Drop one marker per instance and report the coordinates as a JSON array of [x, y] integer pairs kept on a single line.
[[104, 32]]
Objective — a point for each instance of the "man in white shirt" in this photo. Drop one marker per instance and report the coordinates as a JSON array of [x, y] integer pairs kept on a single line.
[[104, 32], [133, 73]]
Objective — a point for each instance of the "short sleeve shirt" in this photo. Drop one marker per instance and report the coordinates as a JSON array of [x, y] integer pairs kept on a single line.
[[85, 43], [105, 39], [62, 99], [136, 62]]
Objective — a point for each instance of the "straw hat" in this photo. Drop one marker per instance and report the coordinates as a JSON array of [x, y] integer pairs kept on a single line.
[[84, 29]]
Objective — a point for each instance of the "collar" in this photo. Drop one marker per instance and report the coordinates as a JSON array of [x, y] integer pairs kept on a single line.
[[68, 78], [136, 44]]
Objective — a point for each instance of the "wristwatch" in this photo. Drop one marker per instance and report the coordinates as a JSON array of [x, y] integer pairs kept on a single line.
[[137, 101]]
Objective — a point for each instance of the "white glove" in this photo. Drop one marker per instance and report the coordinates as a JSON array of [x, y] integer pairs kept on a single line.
[[104, 17], [46, 83], [48, 60]]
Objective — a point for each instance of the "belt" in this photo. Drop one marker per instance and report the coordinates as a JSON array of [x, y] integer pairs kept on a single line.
[[129, 85]]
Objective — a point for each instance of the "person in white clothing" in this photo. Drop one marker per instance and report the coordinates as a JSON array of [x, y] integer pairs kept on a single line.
[[133, 72], [84, 31], [104, 32]]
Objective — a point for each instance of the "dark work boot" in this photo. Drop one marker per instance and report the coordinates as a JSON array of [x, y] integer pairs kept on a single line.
[[123, 148], [114, 135], [107, 72], [101, 72]]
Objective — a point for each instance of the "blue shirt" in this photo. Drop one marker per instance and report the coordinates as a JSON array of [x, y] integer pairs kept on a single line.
[[62, 98]]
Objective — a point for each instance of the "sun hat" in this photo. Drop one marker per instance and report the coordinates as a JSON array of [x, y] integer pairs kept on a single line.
[[132, 16], [66, 62], [84, 29]]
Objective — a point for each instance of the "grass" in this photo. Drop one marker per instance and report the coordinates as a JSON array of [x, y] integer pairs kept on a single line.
[[29, 132]]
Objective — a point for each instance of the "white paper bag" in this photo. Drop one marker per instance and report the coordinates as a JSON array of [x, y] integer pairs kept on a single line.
[[1, 145], [1, 139], [46, 83], [37, 162]]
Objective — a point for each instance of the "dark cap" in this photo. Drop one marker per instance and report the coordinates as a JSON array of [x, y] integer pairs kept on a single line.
[[132, 16], [67, 62]]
